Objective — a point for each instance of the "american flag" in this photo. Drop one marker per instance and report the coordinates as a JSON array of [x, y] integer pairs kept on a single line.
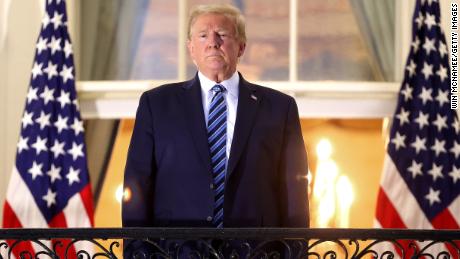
[[49, 186], [420, 186]]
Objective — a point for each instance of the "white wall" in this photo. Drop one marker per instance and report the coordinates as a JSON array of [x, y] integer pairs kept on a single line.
[[23, 25]]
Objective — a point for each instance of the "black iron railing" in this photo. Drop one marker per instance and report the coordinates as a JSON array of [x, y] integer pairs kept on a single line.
[[229, 243]]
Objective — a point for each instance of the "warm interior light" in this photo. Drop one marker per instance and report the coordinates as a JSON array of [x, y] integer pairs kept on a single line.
[[309, 179], [323, 191], [127, 194], [122, 194], [326, 209], [119, 193], [332, 192], [385, 128], [326, 173], [345, 191], [345, 198], [324, 149]]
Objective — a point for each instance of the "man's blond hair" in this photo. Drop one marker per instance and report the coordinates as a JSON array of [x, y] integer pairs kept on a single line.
[[224, 9]]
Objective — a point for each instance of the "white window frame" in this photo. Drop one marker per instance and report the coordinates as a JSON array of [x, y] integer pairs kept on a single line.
[[315, 99]]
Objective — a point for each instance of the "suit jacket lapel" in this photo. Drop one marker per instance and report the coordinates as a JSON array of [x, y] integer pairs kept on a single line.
[[248, 103], [193, 110]]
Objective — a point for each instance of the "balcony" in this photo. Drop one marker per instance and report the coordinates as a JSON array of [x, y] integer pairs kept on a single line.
[[232, 243]]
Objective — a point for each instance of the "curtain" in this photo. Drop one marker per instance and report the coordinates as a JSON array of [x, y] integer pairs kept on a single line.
[[110, 33], [376, 19]]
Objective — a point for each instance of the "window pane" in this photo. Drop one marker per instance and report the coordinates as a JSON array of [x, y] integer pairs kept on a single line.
[[157, 56], [330, 43]]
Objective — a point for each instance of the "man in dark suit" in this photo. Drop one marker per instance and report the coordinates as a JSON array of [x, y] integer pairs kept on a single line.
[[216, 151]]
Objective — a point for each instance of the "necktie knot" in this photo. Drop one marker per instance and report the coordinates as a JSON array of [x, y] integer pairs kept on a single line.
[[218, 89]]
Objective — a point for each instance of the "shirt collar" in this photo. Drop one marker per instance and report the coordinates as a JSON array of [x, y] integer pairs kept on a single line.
[[231, 84]]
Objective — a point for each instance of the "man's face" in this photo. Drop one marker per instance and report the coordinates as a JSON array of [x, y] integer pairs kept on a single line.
[[213, 45]]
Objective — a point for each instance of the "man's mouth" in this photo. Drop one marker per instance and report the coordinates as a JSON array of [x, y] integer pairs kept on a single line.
[[214, 55]]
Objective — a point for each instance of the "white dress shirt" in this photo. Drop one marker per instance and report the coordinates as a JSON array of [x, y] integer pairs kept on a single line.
[[231, 97]]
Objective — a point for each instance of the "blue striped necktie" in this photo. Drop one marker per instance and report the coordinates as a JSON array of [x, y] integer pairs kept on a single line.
[[217, 139]]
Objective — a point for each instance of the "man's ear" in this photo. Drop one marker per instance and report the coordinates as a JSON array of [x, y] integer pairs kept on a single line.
[[189, 47], [190, 51], [241, 50]]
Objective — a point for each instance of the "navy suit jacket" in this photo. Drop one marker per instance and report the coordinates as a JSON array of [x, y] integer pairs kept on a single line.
[[168, 168]]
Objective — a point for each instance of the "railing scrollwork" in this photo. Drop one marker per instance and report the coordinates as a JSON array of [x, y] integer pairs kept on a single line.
[[147, 243]]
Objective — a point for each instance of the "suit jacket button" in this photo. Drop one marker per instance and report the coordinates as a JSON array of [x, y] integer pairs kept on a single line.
[[209, 218], [211, 186]]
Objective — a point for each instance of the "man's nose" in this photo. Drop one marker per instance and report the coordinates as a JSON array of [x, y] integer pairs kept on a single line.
[[214, 41]]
